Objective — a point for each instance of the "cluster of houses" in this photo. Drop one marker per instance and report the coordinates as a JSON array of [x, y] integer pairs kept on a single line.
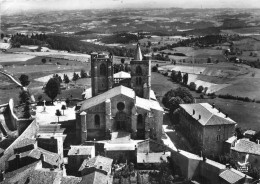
[[118, 127]]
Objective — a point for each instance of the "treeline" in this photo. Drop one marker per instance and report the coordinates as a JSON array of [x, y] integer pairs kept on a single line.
[[123, 38], [204, 41], [69, 44]]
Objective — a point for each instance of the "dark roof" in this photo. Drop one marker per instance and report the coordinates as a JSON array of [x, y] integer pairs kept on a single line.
[[206, 114], [230, 176], [51, 129], [95, 178], [99, 162], [246, 146], [49, 157]]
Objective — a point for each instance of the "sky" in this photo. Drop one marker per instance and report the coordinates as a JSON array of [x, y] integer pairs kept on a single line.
[[8, 6]]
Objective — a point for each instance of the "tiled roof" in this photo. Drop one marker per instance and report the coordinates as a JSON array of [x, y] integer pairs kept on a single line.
[[106, 95], [49, 157], [208, 114], [70, 180], [151, 146], [95, 178], [122, 75], [80, 150], [99, 162], [230, 176], [25, 142], [246, 146], [152, 157], [250, 132], [148, 104]]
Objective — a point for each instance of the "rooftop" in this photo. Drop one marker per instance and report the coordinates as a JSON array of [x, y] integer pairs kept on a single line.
[[81, 150], [25, 142], [95, 178], [246, 146], [106, 95], [122, 75], [232, 175], [99, 162], [206, 114], [148, 104], [138, 54]]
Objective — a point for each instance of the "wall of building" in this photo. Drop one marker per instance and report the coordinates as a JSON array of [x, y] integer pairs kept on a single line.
[[254, 160], [213, 145], [30, 132]]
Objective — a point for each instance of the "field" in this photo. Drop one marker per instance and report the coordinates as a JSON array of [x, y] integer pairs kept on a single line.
[[8, 58], [246, 114], [247, 44]]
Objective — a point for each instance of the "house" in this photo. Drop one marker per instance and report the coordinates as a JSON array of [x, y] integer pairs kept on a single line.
[[249, 134], [246, 152], [96, 170], [98, 163], [232, 176], [77, 154], [206, 126]]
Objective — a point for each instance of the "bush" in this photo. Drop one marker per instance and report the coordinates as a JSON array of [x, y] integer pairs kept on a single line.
[[154, 69], [192, 86], [201, 96], [200, 89]]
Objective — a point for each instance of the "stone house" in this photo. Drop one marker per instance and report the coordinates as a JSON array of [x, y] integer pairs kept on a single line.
[[206, 126]]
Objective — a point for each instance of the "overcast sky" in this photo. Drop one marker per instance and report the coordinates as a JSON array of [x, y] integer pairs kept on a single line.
[[13, 5]]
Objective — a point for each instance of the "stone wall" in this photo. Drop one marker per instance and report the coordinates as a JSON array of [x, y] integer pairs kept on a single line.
[[30, 132]]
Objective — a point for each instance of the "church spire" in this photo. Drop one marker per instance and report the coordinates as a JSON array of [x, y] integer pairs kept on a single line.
[[138, 54]]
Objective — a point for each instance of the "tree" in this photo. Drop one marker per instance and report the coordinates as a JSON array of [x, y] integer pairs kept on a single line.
[[179, 77], [66, 79], [192, 86], [200, 89], [122, 60], [63, 108], [52, 88], [43, 60], [174, 76], [58, 114], [154, 69], [26, 110], [239, 133], [185, 79], [24, 79], [75, 77], [174, 97], [24, 96], [83, 74], [209, 60], [2, 35]]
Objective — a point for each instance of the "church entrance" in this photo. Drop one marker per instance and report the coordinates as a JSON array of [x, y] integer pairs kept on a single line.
[[121, 121]]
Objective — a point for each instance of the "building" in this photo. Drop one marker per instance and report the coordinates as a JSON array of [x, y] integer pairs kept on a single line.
[[206, 126], [120, 109], [246, 152], [77, 154]]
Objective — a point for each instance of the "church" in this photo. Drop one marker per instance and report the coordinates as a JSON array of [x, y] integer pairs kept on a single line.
[[129, 107]]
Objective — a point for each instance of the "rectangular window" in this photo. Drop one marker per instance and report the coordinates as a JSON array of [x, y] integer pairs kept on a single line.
[[218, 137]]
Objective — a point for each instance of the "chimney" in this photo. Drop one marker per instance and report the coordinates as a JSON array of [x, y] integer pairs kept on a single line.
[[219, 110], [64, 173], [100, 167], [18, 160], [228, 166], [193, 112], [42, 157], [213, 105], [164, 152], [199, 117], [226, 115], [2, 176], [204, 158], [257, 141]]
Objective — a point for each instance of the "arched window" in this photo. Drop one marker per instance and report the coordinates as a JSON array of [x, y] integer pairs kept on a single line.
[[97, 121], [103, 69], [140, 121], [138, 70]]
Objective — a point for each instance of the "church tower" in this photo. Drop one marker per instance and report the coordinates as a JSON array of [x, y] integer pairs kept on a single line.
[[101, 72], [141, 74]]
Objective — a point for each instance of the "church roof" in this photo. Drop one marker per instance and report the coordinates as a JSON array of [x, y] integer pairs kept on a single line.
[[148, 104], [122, 75], [138, 54], [107, 95]]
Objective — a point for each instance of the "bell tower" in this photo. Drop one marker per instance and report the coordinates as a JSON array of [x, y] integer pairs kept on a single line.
[[141, 74], [101, 72]]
